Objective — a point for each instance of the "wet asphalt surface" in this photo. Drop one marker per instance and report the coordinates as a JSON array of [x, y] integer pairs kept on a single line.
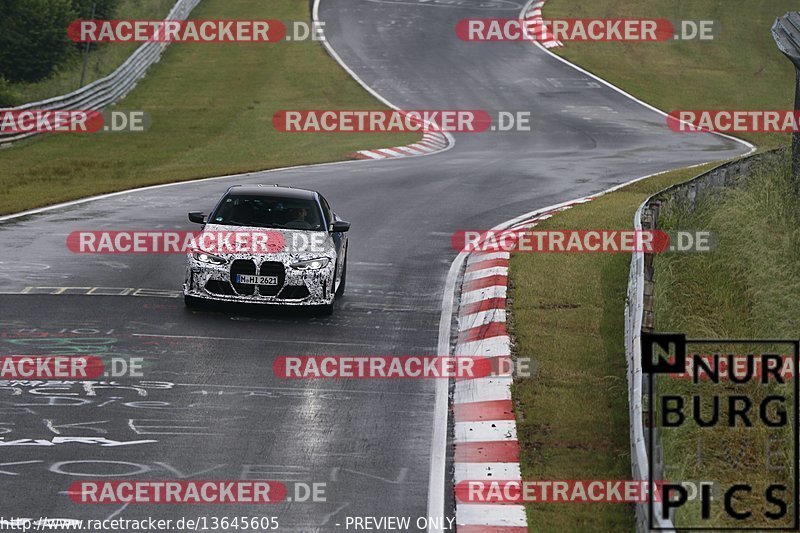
[[208, 396]]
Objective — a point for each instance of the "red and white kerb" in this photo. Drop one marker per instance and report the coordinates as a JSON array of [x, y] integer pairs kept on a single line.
[[486, 446]]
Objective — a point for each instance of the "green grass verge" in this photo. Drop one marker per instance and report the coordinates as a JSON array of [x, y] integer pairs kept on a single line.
[[101, 60], [747, 287], [212, 107], [741, 69], [567, 310], [568, 314], [737, 290]]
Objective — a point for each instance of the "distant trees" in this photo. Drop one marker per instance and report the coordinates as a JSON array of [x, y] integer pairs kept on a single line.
[[103, 10], [33, 35]]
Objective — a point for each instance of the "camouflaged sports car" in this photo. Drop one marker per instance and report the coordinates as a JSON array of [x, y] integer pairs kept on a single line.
[[302, 260]]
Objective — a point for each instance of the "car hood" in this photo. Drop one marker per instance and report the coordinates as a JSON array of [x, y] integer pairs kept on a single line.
[[281, 244]]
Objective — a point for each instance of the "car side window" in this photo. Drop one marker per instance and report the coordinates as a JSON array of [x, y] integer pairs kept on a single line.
[[326, 209]]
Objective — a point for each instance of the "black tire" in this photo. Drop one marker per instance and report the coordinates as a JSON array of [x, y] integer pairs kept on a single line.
[[340, 288], [191, 302], [326, 310]]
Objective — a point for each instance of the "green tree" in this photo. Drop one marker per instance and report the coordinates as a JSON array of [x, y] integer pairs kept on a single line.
[[103, 8], [33, 38], [8, 97]]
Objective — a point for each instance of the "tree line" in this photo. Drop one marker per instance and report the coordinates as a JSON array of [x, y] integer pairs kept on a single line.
[[33, 35]]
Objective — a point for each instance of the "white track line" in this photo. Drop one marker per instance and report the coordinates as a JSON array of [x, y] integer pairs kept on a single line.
[[493, 471], [491, 347], [491, 515], [481, 318], [495, 291], [487, 256], [608, 84], [491, 431], [499, 388], [485, 273], [448, 142], [482, 390], [332, 52], [465, 391], [372, 155]]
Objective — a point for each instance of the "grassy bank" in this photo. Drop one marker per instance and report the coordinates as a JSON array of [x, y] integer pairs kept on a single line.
[[212, 107], [572, 416], [747, 287], [101, 60], [749, 284], [740, 69]]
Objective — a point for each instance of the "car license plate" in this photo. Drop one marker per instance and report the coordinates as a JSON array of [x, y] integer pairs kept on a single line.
[[256, 280]]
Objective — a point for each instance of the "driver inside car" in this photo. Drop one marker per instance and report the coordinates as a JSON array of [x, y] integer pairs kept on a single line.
[[298, 218]]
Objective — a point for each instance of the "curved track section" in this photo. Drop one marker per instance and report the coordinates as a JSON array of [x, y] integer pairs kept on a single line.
[[209, 397]]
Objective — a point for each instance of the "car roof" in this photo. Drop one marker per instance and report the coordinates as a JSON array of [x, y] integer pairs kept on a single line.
[[273, 191]]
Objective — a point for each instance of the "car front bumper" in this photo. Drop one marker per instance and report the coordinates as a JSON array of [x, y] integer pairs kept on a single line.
[[296, 287]]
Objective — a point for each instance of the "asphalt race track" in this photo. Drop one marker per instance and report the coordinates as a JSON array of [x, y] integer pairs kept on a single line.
[[208, 396]]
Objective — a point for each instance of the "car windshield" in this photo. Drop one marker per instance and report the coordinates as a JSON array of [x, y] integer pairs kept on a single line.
[[268, 212]]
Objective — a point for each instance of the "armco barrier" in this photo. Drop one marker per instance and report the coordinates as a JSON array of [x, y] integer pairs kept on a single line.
[[634, 315], [639, 309], [113, 87], [786, 32]]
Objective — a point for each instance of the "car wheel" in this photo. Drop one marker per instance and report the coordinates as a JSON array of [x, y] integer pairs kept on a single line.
[[326, 310], [340, 288], [191, 302]]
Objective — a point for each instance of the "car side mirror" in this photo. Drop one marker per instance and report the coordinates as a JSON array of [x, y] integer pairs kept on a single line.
[[340, 226], [197, 217]]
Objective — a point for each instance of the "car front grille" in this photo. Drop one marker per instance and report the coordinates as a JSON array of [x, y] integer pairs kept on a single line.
[[272, 268], [220, 287], [243, 266], [294, 292]]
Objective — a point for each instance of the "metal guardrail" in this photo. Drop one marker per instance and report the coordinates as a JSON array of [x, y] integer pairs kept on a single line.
[[639, 317], [639, 308], [786, 32], [105, 91], [634, 321]]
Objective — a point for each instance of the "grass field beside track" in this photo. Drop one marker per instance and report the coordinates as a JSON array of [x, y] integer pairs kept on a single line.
[[101, 60], [741, 69], [736, 290], [567, 310], [568, 315], [747, 287], [212, 107]]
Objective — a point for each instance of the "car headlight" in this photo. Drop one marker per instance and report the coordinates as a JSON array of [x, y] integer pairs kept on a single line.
[[205, 257], [311, 264]]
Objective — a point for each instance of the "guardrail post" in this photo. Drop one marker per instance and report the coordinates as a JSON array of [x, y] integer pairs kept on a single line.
[[86, 49], [786, 32], [649, 223], [109, 89]]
